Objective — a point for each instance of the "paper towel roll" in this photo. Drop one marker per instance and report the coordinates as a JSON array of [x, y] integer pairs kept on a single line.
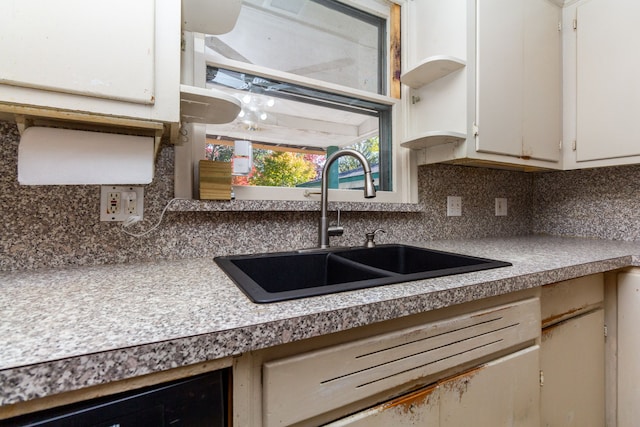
[[52, 156]]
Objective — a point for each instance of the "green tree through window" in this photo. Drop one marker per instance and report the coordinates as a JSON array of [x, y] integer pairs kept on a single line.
[[284, 169]]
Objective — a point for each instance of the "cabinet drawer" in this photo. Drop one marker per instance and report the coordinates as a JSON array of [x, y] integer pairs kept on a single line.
[[570, 298], [300, 387]]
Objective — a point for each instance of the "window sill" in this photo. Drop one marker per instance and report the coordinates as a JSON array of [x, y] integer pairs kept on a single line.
[[183, 205]]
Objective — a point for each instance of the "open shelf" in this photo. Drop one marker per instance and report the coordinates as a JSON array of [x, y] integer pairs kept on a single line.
[[429, 139], [431, 69], [208, 106]]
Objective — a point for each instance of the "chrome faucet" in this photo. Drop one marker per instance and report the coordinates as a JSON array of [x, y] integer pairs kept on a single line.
[[369, 190]]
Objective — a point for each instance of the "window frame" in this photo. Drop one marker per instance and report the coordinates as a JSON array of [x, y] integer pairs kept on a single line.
[[403, 165]]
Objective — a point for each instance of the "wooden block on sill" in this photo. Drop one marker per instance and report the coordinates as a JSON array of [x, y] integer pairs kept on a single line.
[[215, 180]]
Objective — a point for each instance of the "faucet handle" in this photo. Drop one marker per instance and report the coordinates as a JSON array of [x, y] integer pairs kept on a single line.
[[336, 230], [370, 243]]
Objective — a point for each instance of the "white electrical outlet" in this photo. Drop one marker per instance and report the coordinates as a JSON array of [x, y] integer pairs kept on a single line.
[[118, 203], [501, 206], [113, 202], [129, 202], [454, 206]]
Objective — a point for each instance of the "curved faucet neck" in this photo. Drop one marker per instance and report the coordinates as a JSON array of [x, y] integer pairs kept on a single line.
[[369, 189]]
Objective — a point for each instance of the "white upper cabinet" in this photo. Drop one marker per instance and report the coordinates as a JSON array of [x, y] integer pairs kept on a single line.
[[116, 58], [602, 89], [434, 57], [504, 105], [519, 79], [71, 48]]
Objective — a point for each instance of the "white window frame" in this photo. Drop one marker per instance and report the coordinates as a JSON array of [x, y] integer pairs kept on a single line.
[[404, 169]]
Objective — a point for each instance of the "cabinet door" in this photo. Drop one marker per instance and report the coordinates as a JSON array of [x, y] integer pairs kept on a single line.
[[504, 392], [80, 46], [499, 74], [420, 408], [519, 76], [542, 81], [608, 88], [628, 349], [572, 362]]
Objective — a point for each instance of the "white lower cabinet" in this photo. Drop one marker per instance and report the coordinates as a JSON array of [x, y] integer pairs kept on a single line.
[[572, 361], [627, 349], [504, 392], [530, 358], [572, 355], [474, 361], [310, 384]]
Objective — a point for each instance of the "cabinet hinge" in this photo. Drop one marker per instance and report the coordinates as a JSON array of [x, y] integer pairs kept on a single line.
[[541, 378], [574, 145], [575, 24], [474, 129], [606, 331], [560, 146], [559, 25]]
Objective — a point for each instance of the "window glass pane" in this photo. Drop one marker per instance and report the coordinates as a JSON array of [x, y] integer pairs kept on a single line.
[[285, 166], [293, 127], [320, 39]]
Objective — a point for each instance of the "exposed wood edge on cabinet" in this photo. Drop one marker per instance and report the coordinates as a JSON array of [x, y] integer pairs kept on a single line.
[[101, 390], [79, 118], [395, 52], [570, 314], [26, 116], [571, 298]]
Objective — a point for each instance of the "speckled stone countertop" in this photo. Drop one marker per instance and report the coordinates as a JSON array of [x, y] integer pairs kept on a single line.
[[65, 329]]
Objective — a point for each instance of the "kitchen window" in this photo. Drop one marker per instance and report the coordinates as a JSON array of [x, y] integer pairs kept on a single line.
[[313, 77], [292, 127]]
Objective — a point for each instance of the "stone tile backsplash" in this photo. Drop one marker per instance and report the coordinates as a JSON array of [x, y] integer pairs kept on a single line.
[[57, 226], [600, 203]]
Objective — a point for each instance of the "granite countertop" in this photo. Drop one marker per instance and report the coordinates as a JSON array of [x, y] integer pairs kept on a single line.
[[65, 329]]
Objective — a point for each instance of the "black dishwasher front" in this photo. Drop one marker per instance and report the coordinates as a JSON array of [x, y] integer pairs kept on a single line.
[[193, 402]]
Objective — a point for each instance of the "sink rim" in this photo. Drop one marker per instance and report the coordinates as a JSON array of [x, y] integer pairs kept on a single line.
[[258, 294]]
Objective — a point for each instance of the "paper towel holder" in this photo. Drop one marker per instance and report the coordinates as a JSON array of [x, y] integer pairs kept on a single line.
[[26, 117]]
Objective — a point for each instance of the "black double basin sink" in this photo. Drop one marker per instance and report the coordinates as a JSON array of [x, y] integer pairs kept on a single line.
[[284, 276]]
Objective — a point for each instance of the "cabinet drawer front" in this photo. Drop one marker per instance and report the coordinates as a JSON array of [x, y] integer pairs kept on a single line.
[[306, 385], [563, 300]]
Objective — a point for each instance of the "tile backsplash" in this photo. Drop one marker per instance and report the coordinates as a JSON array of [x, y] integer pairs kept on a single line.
[[601, 203], [56, 226]]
